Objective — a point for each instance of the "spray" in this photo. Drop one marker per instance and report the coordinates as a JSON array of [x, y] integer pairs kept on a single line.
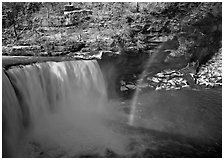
[[159, 56], [61, 110], [136, 94]]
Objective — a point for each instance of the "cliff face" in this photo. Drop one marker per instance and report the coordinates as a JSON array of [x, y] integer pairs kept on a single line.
[[145, 35]]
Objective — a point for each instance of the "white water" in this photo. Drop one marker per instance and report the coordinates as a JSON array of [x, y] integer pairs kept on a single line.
[[61, 110], [56, 109]]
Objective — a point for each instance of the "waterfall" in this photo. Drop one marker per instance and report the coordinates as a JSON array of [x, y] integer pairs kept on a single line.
[[61, 109], [11, 118], [58, 105]]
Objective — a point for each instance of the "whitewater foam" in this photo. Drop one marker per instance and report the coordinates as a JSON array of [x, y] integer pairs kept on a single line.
[[58, 105]]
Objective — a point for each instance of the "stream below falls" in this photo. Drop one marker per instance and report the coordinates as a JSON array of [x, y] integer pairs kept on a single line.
[[61, 109]]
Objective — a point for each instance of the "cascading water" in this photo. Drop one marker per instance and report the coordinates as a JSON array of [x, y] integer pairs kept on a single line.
[[12, 118], [61, 109], [55, 105]]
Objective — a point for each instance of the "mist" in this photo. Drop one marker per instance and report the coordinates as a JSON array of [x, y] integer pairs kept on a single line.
[[68, 110], [63, 110]]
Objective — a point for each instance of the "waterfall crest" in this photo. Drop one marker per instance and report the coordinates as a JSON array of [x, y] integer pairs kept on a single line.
[[54, 104]]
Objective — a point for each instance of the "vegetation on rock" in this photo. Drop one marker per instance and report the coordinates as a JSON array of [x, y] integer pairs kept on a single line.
[[121, 33]]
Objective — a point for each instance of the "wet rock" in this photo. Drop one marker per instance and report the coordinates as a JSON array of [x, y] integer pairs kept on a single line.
[[110, 154], [85, 49], [211, 73], [131, 86]]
